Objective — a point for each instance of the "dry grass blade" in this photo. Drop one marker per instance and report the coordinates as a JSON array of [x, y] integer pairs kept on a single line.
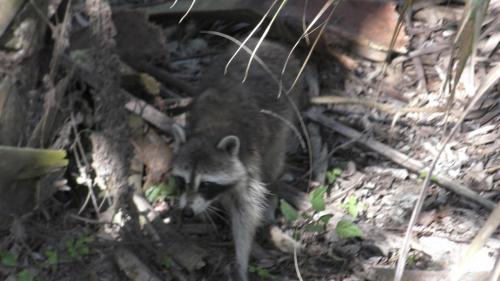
[[490, 80], [306, 32], [321, 31], [296, 264], [173, 4], [288, 124], [465, 41], [246, 49], [241, 45], [187, 12], [304, 22], [262, 37]]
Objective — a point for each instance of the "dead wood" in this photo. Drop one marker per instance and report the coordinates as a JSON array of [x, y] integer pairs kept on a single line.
[[184, 251], [400, 158], [133, 267], [162, 76], [150, 114], [372, 104], [8, 10]]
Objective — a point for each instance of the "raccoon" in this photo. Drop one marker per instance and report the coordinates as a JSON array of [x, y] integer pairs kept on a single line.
[[236, 142]]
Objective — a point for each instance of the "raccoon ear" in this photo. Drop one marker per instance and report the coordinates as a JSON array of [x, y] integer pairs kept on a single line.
[[230, 144]]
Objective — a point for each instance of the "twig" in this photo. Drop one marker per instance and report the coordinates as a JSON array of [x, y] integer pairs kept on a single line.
[[401, 159], [372, 104], [133, 267], [150, 114], [162, 76]]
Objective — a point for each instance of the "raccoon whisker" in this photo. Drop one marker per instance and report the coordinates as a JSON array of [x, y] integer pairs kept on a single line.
[[215, 211], [206, 215]]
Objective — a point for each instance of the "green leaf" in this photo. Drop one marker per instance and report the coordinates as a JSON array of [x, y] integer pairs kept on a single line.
[[317, 198], [25, 275], [288, 211], [167, 262], [52, 257], [352, 206], [314, 227], [70, 247], [81, 245], [252, 269], [346, 229], [332, 175], [325, 219], [159, 192], [8, 259], [263, 273]]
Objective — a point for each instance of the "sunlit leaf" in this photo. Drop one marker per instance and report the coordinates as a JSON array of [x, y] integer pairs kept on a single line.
[[317, 198], [288, 211], [346, 229]]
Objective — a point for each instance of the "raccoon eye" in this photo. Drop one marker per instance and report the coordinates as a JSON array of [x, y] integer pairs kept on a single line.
[[210, 190], [180, 183]]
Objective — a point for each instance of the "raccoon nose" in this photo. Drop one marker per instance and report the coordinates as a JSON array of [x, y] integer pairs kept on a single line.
[[188, 212]]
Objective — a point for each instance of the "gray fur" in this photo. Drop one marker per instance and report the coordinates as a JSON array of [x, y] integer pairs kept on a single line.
[[230, 137]]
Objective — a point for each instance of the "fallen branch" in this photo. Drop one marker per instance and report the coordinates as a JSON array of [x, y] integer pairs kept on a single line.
[[400, 158], [150, 114], [133, 267], [372, 104], [184, 251]]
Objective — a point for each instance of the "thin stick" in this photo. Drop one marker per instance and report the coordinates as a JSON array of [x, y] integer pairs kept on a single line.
[[288, 124], [400, 158], [373, 104]]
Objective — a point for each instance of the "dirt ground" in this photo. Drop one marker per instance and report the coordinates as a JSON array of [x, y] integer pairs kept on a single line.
[[113, 216]]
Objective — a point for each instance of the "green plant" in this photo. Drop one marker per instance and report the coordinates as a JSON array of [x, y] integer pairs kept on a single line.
[[52, 257], [261, 272], [25, 275], [167, 262], [160, 192], [315, 223], [317, 198], [332, 175], [8, 259], [346, 229], [288, 211], [352, 206], [79, 247]]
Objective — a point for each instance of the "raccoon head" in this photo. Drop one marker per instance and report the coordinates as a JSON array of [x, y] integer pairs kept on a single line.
[[204, 170]]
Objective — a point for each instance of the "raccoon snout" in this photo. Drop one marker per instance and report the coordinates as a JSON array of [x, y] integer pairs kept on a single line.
[[188, 213]]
